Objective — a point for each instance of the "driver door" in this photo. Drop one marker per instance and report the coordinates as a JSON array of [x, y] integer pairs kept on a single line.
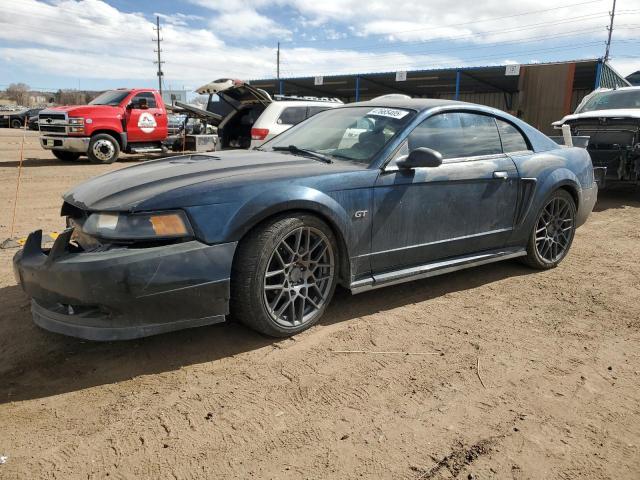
[[146, 121], [463, 206]]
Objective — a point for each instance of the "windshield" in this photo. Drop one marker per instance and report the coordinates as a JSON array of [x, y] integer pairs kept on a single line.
[[612, 100], [112, 97], [349, 133]]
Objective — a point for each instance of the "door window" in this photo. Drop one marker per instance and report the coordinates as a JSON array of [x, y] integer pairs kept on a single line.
[[144, 96], [457, 135], [292, 115], [512, 139]]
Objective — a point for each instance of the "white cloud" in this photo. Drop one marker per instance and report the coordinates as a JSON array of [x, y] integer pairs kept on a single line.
[[246, 22], [91, 39]]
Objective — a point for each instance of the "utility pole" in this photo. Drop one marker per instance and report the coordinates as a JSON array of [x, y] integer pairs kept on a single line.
[[278, 62], [612, 14], [158, 50]]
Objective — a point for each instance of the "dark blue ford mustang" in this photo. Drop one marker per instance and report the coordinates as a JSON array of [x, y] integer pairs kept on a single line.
[[367, 195]]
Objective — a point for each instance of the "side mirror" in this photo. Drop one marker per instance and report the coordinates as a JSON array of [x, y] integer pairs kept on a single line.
[[421, 157]]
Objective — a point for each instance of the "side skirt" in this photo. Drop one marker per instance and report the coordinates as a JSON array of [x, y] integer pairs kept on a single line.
[[435, 268]]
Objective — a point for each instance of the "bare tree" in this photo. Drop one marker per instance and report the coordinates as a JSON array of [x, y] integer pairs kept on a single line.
[[19, 93]]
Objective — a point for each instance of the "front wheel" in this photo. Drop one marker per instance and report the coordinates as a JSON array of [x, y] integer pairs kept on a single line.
[[553, 231], [284, 275], [15, 123], [103, 148]]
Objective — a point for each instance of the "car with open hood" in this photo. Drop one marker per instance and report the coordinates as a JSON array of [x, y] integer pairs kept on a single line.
[[611, 120], [425, 188]]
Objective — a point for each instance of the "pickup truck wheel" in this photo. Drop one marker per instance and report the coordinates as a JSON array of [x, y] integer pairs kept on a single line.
[[16, 123], [103, 148], [553, 231], [284, 275], [66, 156]]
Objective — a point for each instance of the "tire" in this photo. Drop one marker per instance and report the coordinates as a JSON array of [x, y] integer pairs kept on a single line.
[[103, 148], [66, 156], [308, 279], [16, 123], [553, 231]]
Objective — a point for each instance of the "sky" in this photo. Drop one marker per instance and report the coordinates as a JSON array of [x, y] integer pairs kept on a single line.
[[101, 44]]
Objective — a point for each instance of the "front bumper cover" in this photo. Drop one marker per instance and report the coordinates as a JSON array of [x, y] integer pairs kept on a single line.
[[69, 144], [124, 293]]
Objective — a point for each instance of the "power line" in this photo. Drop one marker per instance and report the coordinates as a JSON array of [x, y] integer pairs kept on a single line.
[[468, 60], [532, 12]]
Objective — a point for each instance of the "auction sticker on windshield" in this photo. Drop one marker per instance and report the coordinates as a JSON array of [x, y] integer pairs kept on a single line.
[[388, 112]]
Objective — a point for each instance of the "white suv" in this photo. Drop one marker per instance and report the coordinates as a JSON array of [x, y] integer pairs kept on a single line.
[[250, 116]]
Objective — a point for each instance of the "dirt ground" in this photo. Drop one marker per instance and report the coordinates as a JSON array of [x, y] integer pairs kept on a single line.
[[558, 353]]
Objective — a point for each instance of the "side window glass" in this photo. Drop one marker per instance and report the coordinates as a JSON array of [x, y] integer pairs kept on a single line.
[[313, 110], [512, 139], [480, 135], [457, 135], [147, 97], [292, 115], [441, 133]]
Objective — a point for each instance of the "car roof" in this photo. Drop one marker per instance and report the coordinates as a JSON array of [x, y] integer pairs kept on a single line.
[[303, 103], [418, 104]]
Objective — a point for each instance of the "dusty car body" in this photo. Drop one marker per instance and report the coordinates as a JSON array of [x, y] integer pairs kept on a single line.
[[429, 187], [611, 120]]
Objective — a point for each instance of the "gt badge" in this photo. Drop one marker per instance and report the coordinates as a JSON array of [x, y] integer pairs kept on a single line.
[[360, 214]]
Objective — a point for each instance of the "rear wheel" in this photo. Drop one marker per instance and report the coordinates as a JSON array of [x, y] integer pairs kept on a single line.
[[553, 231], [16, 123], [103, 148], [284, 275], [66, 156]]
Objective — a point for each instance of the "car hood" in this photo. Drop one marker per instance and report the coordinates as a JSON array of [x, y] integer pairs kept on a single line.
[[176, 182], [617, 113], [81, 110]]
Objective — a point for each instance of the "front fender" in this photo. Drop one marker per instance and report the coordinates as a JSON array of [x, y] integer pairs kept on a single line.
[[221, 223]]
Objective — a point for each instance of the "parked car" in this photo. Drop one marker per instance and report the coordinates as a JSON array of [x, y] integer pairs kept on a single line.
[[32, 118], [255, 116], [611, 120], [428, 187], [17, 119], [127, 120]]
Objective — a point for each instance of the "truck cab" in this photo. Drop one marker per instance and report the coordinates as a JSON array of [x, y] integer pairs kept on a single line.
[[122, 120]]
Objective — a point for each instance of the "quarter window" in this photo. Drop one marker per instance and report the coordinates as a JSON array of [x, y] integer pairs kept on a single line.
[[512, 139], [292, 115], [313, 110], [457, 134]]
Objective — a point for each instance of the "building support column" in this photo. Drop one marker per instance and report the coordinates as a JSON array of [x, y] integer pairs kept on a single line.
[[598, 74], [281, 87], [458, 74], [357, 89]]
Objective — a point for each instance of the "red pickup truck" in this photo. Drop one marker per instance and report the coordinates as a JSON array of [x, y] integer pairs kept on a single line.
[[123, 120]]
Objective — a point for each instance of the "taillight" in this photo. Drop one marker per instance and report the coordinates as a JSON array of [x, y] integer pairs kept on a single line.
[[259, 133]]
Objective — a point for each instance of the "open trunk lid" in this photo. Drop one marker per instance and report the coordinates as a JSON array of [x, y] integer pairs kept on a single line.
[[236, 91]]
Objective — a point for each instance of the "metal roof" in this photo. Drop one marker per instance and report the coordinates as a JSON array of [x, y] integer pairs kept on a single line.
[[420, 83]]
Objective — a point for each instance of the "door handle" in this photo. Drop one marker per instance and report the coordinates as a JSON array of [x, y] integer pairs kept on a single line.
[[502, 175], [157, 114]]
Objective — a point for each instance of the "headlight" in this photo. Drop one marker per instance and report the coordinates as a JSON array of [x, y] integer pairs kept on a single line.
[[138, 226], [76, 121]]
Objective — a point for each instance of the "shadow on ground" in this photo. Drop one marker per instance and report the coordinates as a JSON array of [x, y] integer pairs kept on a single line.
[[618, 196], [35, 363]]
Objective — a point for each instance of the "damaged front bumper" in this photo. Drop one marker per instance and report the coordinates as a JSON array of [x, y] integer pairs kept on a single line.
[[124, 293]]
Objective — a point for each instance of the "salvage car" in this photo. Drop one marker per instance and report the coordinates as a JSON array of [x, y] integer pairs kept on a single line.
[[266, 235], [611, 120]]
